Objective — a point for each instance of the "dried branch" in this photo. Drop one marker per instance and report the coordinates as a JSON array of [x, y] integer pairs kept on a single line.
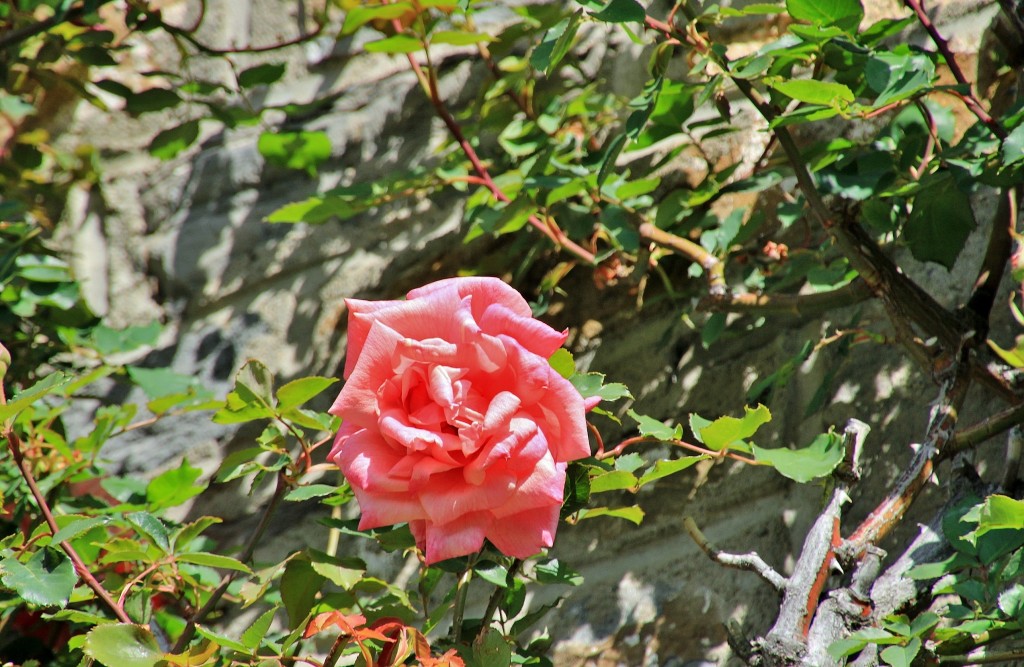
[[978, 433], [751, 562], [907, 487], [791, 304], [786, 642]]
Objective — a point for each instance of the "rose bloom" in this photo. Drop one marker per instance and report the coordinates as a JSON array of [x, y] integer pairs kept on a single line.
[[454, 421]]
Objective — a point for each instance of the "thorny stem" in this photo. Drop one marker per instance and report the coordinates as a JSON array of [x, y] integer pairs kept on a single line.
[[724, 453], [459, 610], [14, 445], [429, 85], [977, 433], [906, 489], [942, 45], [190, 629], [495, 600]]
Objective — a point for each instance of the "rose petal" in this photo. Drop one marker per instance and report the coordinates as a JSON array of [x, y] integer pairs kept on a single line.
[[484, 290], [458, 538], [524, 534], [534, 335], [450, 497]]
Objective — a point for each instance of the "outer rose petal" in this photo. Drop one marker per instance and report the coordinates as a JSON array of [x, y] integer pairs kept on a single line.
[[525, 534], [484, 290], [458, 538]]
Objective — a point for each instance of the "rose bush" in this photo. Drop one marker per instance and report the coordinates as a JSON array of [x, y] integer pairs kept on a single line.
[[454, 421]]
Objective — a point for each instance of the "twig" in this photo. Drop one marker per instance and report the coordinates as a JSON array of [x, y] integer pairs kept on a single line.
[[942, 45], [750, 561], [983, 657], [495, 600], [977, 433], [722, 453], [712, 266], [429, 85], [190, 628], [793, 304], [14, 445], [906, 489], [186, 34]]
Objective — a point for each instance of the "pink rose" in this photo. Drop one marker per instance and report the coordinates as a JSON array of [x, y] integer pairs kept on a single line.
[[453, 420]]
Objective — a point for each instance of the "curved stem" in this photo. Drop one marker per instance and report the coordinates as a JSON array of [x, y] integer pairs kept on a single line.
[[190, 629], [14, 445]]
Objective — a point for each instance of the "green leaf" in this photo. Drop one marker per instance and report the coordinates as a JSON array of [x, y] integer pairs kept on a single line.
[[77, 527], [1001, 512], [1012, 150], [174, 487], [615, 480], [611, 154], [940, 223], [901, 656], [846, 14], [299, 391], [555, 44], [554, 571], [154, 99], [46, 580], [652, 428], [491, 572], [108, 341], [665, 468], [897, 76], [633, 513], [252, 397], [261, 75], [342, 572], [254, 634], [802, 465], [300, 584], [592, 384], [729, 431], [563, 362], [303, 150], [27, 397], [168, 143], [361, 15], [459, 37], [213, 560], [190, 531], [151, 527], [395, 44], [160, 382], [493, 651], [222, 639], [310, 491], [811, 91], [621, 11], [1011, 601], [123, 645]]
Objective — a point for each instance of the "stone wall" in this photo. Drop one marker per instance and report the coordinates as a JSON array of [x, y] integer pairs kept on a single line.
[[185, 242]]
